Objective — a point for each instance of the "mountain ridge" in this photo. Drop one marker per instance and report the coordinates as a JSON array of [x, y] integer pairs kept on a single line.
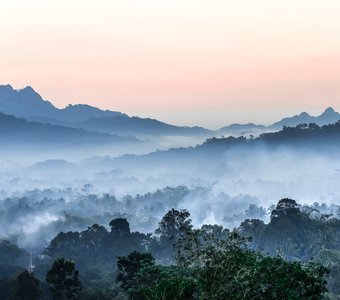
[[27, 103], [21, 131]]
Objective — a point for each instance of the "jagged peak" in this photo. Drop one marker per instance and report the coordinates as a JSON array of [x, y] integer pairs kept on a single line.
[[80, 105], [304, 114], [27, 89], [7, 87], [329, 110]]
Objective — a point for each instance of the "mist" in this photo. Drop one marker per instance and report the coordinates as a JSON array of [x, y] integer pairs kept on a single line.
[[40, 198]]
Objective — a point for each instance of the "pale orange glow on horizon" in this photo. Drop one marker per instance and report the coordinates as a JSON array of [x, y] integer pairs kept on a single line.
[[219, 60]]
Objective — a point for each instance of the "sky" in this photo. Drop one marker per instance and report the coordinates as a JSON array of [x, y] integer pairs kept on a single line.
[[187, 62]]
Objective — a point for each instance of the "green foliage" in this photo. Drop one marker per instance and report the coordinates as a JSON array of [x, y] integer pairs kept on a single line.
[[142, 279], [211, 262], [237, 273], [299, 234], [226, 269], [25, 287], [169, 288], [174, 224], [294, 232], [229, 270], [96, 245], [64, 280], [331, 260], [128, 268], [174, 227], [98, 293], [285, 207]]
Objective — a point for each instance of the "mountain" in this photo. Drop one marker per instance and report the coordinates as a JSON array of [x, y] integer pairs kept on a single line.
[[329, 116], [24, 102], [29, 104], [241, 129], [81, 112], [217, 153], [125, 125], [14, 130]]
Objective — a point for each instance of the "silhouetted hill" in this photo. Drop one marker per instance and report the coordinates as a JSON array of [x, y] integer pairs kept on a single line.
[[24, 102], [242, 129], [30, 105], [304, 138], [303, 135], [124, 125], [329, 116], [19, 131]]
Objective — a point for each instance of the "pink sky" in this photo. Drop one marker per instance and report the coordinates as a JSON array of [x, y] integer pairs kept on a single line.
[[185, 61]]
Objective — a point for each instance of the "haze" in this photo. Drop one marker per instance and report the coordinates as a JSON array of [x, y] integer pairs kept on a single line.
[[187, 62]]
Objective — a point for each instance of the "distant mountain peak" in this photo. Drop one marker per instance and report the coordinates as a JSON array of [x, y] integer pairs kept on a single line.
[[328, 111], [6, 86], [304, 114], [6, 90], [28, 91], [26, 102], [329, 116], [80, 106]]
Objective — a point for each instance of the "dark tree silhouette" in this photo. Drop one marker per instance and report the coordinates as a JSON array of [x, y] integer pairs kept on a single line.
[[174, 224], [119, 226], [130, 265], [284, 207], [26, 287], [64, 280]]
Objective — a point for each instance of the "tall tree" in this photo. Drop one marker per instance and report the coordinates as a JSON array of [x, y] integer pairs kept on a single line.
[[64, 280], [26, 287], [174, 228]]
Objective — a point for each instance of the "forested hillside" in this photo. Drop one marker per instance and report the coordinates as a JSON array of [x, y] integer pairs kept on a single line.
[[293, 256]]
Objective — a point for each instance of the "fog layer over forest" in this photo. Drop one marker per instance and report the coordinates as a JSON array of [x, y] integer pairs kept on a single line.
[[216, 181], [111, 193]]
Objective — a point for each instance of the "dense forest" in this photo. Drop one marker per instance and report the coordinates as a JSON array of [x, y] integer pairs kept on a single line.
[[297, 136], [187, 223], [295, 255]]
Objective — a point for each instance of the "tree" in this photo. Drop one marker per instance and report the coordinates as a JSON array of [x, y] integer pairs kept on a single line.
[[253, 228], [169, 288], [64, 280], [285, 207], [120, 226], [232, 271], [255, 212], [142, 279], [64, 244], [26, 287], [174, 224], [129, 266], [174, 227], [229, 271], [11, 254]]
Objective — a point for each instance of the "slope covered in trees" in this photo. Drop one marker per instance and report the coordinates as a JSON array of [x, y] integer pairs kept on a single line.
[[294, 256]]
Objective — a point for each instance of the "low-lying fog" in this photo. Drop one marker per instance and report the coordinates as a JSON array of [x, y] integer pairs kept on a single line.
[[41, 197]]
